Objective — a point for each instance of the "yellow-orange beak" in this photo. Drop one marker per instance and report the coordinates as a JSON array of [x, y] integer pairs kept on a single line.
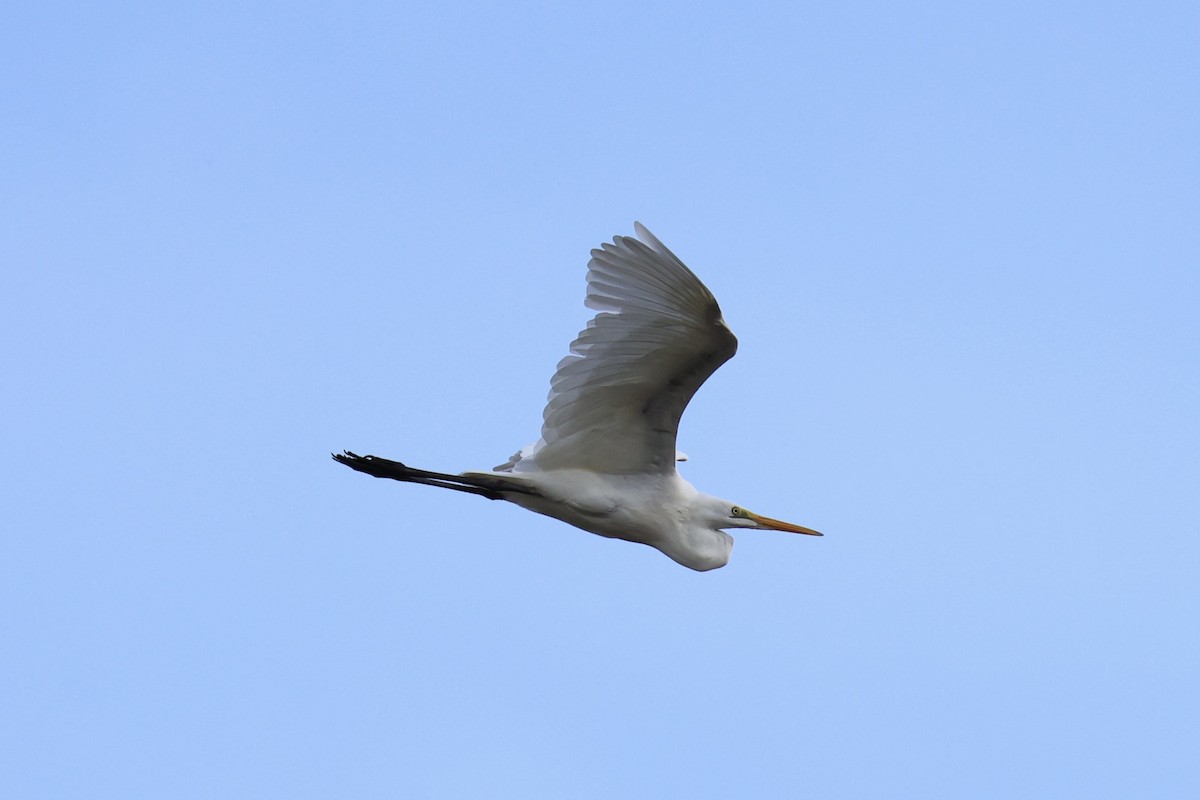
[[777, 525]]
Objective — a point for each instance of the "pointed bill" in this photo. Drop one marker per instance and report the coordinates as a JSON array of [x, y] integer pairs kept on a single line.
[[779, 525]]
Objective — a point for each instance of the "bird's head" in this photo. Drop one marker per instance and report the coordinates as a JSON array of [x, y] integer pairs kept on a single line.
[[735, 516]]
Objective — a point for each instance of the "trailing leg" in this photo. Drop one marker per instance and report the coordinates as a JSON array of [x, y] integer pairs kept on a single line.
[[385, 468]]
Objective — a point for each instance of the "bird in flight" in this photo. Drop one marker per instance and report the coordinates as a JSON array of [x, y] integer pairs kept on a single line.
[[606, 458]]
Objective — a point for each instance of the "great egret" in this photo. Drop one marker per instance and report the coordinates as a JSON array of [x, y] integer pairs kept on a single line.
[[606, 459]]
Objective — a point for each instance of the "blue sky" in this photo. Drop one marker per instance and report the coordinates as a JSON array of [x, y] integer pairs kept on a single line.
[[959, 247]]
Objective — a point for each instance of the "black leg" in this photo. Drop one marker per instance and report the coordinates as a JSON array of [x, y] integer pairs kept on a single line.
[[385, 468]]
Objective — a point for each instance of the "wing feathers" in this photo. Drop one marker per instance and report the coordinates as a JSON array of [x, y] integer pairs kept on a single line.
[[615, 401]]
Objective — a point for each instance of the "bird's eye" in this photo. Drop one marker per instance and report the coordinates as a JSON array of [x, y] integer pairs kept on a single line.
[[737, 512]]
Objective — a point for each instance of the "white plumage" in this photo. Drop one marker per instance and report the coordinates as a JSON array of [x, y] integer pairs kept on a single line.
[[606, 458], [615, 401]]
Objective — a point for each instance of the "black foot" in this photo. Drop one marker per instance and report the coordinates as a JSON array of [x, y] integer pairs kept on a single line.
[[373, 465]]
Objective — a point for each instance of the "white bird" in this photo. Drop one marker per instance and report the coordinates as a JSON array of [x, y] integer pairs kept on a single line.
[[606, 459]]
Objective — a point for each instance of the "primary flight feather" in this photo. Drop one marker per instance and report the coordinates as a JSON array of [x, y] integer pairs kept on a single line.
[[606, 458]]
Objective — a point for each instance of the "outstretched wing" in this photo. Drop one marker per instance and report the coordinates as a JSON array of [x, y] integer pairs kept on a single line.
[[616, 400]]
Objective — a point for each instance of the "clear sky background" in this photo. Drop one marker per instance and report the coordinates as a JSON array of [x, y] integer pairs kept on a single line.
[[959, 245]]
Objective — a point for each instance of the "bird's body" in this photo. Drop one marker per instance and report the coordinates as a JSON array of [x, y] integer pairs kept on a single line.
[[606, 459], [663, 511]]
